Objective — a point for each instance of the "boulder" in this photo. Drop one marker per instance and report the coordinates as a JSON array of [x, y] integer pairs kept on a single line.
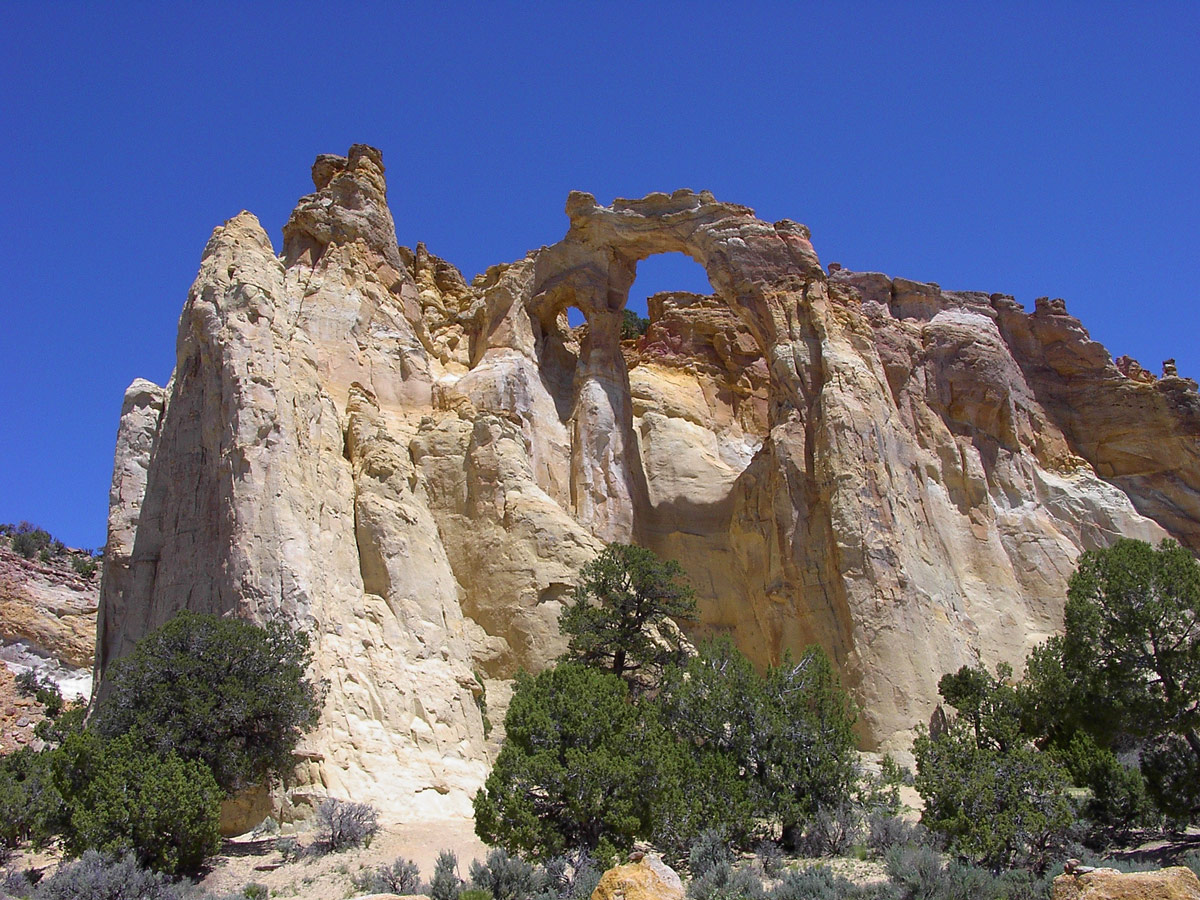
[[647, 879], [1174, 883]]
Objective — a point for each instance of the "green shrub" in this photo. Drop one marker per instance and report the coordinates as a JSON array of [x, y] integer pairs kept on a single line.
[[97, 876], [125, 799], [880, 793], [709, 850], [43, 690], [787, 736], [994, 797], [32, 808], [632, 325], [621, 616], [84, 564], [342, 824], [28, 540], [475, 894], [221, 691], [1130, 640], [1119, 801], [569, 772]]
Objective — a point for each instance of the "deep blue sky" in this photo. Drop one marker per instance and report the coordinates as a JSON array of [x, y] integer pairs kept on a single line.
[[1033, 149]]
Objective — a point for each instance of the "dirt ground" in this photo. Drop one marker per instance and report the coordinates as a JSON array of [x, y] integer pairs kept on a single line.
[[246, 860], [250, 859]]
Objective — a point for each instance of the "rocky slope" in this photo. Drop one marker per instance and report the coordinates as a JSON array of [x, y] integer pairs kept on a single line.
[[414, 468], [48, 617]]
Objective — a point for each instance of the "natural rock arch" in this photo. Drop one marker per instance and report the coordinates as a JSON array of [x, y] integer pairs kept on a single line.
[[416, 468], [765, 274]]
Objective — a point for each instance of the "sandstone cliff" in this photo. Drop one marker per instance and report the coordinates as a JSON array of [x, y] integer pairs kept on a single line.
[[48, 617], [414, 467]]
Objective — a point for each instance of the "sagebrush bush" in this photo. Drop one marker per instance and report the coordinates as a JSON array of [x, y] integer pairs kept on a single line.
[[289, 849], [770, 858], [832, 831], [342, 824], [883, 832], [1191, 859], [584, 875], [920, 872], [401, 877], [445, 884], [16, 883], [724, 882], [709, 850], [506, 877], [816, 883], [96, 876], [569, 876]]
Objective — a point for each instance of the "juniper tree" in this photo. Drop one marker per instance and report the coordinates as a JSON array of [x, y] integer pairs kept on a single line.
[[622, 616]]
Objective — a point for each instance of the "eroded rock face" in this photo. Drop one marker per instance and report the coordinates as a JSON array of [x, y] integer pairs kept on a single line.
[[1174, 883], [48, 619], [415, 468]]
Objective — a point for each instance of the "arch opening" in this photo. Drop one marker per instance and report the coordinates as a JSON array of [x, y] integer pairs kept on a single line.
[[662, 272]]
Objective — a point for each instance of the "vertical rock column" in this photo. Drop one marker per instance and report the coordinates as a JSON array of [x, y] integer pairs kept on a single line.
[[141, 412], [603, 450]]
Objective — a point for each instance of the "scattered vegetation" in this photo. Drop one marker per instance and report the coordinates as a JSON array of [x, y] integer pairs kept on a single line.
[[631, 738], [43, 690], [30, 541], [703, 755]]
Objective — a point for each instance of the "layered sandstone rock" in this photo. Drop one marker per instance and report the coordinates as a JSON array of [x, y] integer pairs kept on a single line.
[[1174, 883], [48, 618], [415, 468], [647, 879]]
